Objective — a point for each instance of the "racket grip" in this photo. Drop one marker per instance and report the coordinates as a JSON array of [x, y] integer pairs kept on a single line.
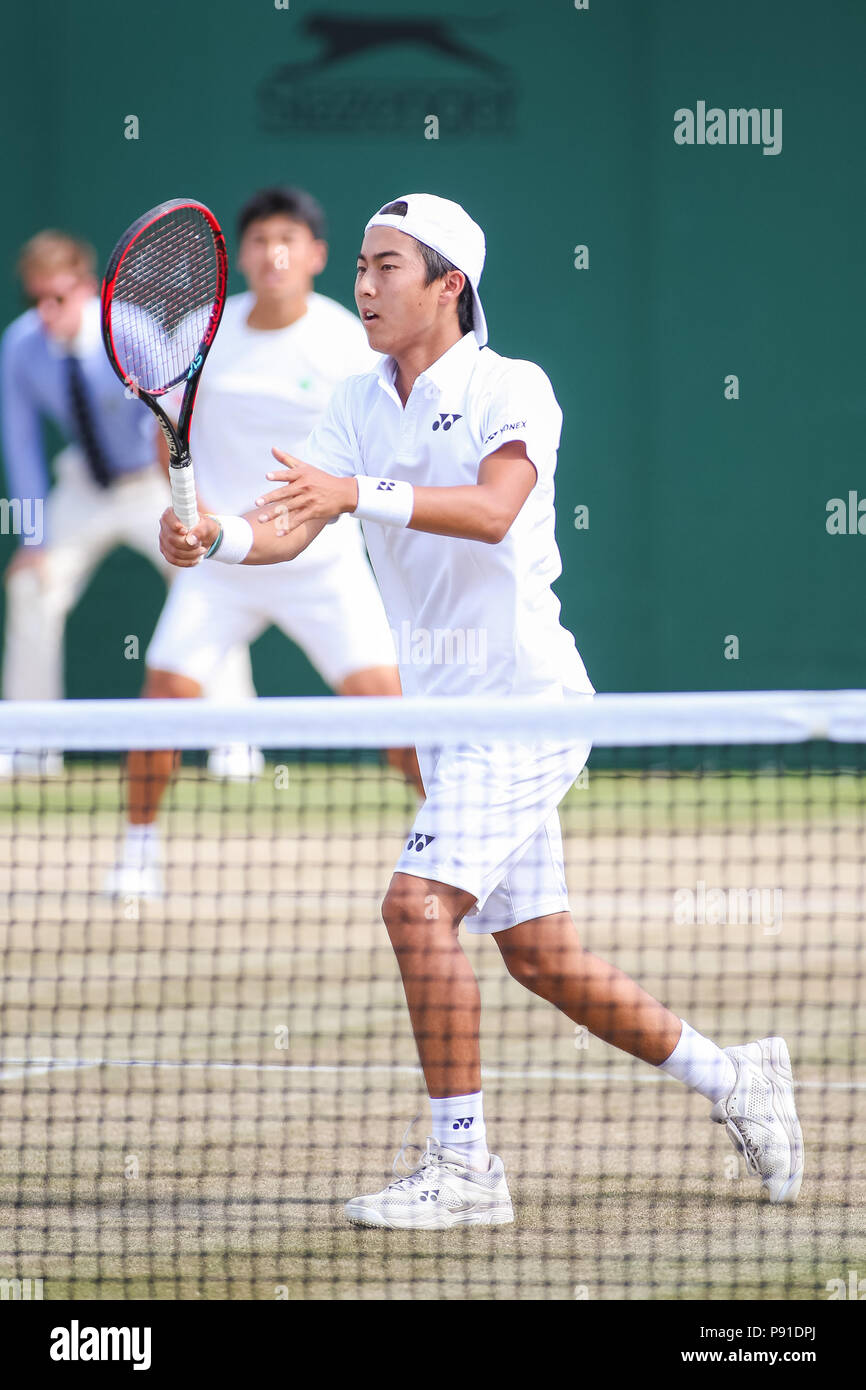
[[183, 498]]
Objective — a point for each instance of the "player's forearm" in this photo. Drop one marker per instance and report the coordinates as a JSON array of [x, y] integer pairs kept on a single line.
[[475, 513], [231, 540], [272, 545], [483, 511]]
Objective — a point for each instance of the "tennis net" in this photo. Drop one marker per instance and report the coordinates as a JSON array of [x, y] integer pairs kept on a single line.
[[193, 1084]]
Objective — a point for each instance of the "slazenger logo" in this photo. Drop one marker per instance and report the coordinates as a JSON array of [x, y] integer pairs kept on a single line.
[[344, 81], [503, 429], [419, 842], [75, 1343]]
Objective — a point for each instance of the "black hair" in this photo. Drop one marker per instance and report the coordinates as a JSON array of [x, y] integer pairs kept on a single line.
[[435, 267], [291, 202]]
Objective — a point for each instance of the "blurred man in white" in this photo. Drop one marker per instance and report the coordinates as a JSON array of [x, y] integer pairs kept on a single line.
[[280, 352], [109, 489]]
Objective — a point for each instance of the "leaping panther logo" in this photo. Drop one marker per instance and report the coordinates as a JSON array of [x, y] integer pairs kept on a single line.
[[345, 36]]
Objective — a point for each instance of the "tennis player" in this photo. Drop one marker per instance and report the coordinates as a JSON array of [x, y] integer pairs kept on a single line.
[[447, 452], [280, 351], [108, 483]]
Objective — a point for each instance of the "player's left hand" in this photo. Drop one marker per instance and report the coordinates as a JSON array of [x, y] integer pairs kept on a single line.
[[184, 547], [306, 494]]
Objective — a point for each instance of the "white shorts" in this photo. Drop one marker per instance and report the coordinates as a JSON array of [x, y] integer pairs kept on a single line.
[[332, 609], [490, 827]]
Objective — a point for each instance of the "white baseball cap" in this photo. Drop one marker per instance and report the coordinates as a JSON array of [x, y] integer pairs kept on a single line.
[[445, 227]]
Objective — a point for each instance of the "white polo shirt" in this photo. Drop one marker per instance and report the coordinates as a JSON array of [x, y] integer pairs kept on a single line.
[[468, 618]]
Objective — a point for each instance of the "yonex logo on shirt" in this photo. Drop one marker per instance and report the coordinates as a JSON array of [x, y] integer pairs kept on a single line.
[[446, 421], [515, 425], [419, 842]]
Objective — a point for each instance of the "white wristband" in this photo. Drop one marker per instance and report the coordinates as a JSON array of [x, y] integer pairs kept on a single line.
[[237, 541], [384, 500]]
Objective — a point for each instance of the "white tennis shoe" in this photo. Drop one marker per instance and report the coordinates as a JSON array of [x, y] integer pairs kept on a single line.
[[760, 1117], [133, 881], [441, 1193], [20, 764], [236, 762]]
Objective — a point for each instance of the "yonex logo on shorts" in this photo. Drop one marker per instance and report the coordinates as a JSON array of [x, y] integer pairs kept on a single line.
[[464, 1123], [385, 485], [419, 842], [446, 421]]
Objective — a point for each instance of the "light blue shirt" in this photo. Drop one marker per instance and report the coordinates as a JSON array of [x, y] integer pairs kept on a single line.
[[34, 386]]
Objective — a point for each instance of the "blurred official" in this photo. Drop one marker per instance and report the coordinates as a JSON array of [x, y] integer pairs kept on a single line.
[[109, 489]]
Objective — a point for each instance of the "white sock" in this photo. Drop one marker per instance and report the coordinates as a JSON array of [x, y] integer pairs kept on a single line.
[[458, 1123], [142, 846], [701, 1065]]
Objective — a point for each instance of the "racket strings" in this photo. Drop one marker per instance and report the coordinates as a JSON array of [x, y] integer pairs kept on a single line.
[[164, 295]]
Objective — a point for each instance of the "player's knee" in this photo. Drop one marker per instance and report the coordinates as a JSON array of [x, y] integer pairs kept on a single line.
[[537, 971], [400, 910], [372, 680], [522, 966], [409, 918], [169, 685]]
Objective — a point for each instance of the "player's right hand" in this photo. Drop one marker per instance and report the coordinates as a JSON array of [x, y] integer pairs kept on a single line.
[[186, 548]]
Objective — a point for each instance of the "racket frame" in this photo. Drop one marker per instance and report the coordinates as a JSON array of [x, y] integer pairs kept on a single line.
[[181, 473]]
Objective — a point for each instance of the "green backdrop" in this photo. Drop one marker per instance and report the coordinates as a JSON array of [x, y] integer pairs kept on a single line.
[[707, 516]]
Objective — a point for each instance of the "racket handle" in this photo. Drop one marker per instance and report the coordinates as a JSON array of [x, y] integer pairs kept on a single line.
[[183, 499]]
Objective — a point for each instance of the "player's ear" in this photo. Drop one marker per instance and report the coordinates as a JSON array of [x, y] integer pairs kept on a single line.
[[453, 283], [319, 256]]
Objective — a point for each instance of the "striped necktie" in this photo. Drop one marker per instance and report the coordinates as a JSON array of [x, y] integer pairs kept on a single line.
[[82, 412]]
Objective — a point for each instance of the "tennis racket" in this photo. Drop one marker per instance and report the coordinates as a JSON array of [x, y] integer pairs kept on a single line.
[[162, 301]]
